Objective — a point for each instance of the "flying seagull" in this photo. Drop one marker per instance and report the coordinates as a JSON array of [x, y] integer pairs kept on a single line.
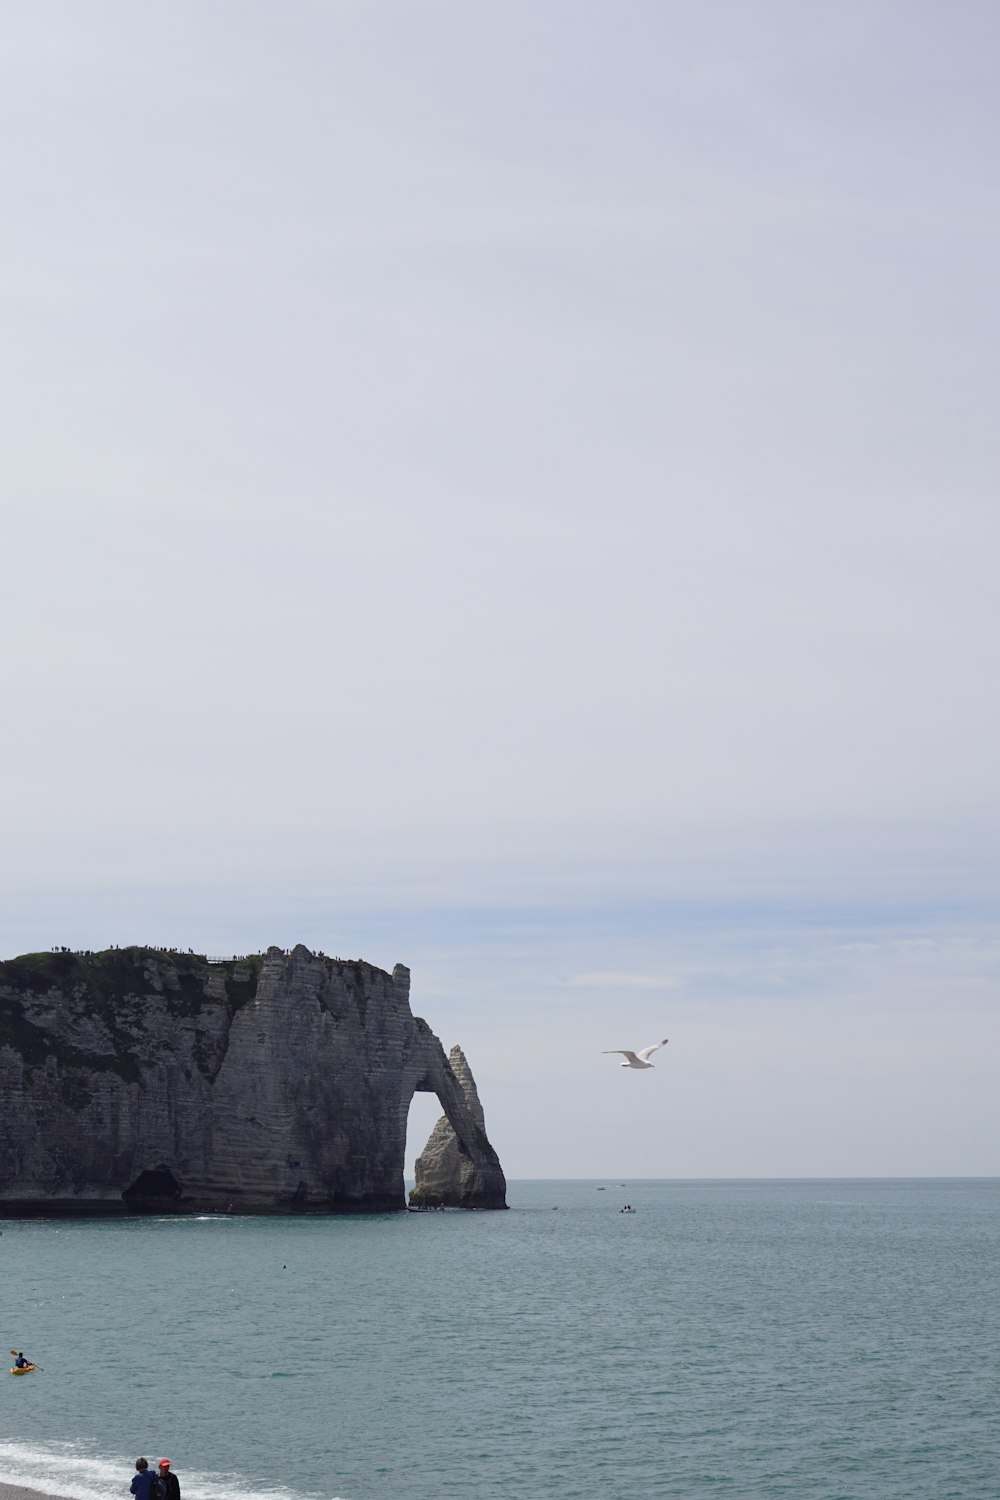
[[635, 1059]]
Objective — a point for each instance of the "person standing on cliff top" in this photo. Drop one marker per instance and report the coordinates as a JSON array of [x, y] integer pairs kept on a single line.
[[171, 1484]]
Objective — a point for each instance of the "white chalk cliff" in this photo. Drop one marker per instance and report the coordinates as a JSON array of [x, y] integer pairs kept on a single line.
[[151, 1080]]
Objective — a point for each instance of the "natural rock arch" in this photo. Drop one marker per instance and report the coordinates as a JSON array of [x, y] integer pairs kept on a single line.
[[455, 1168]]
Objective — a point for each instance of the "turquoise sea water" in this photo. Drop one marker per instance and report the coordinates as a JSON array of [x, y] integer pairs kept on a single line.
[[795, 1339]]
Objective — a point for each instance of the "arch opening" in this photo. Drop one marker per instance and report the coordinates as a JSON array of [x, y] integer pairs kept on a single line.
[[424, 1112]]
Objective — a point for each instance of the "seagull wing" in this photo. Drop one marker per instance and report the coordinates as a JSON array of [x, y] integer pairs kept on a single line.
[[614, 1051], [644, 1054]]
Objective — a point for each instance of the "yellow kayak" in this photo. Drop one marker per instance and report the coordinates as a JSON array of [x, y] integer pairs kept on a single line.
[[21, 1369]]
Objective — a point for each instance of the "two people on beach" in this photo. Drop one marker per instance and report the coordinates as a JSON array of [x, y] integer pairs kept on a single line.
[[162, 1485]]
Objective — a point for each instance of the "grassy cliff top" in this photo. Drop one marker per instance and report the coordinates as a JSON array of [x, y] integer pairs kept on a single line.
[[59, 967], [122, 971]]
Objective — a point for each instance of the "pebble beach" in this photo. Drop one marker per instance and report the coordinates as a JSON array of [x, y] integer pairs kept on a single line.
[[18, 1492]]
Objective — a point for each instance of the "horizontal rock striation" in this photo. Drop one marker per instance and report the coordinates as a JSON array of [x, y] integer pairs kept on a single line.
[[158, 1081]]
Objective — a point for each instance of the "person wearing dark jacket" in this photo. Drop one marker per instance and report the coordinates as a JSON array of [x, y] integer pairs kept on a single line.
[[143, 1484], [171, 1484]]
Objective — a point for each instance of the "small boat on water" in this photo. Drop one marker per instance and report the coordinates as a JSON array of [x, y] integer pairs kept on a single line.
[[21, 1369]]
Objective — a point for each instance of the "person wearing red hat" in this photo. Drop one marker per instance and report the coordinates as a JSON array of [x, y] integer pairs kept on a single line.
[[171, 1484]]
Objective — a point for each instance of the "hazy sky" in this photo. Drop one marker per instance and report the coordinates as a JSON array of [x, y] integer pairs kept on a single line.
[[513, 489]]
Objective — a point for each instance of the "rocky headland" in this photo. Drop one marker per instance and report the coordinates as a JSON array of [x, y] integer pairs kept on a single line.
[[148, 1080]]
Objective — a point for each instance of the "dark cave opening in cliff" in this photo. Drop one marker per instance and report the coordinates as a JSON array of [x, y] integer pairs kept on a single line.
[[156, 1184]]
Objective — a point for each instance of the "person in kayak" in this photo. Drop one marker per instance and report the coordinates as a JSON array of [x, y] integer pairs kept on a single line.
[[20, 1363]]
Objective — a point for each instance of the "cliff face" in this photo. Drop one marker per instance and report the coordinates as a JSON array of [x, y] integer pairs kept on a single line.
[[138, 1078]]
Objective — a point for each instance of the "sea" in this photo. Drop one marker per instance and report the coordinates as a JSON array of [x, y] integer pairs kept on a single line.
[[828, 1339]]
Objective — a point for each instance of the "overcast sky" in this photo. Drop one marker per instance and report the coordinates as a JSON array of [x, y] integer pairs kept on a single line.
[[513, 489]]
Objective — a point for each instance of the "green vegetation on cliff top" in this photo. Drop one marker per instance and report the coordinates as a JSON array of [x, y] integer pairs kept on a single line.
[[111, 967], [100, 983]]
